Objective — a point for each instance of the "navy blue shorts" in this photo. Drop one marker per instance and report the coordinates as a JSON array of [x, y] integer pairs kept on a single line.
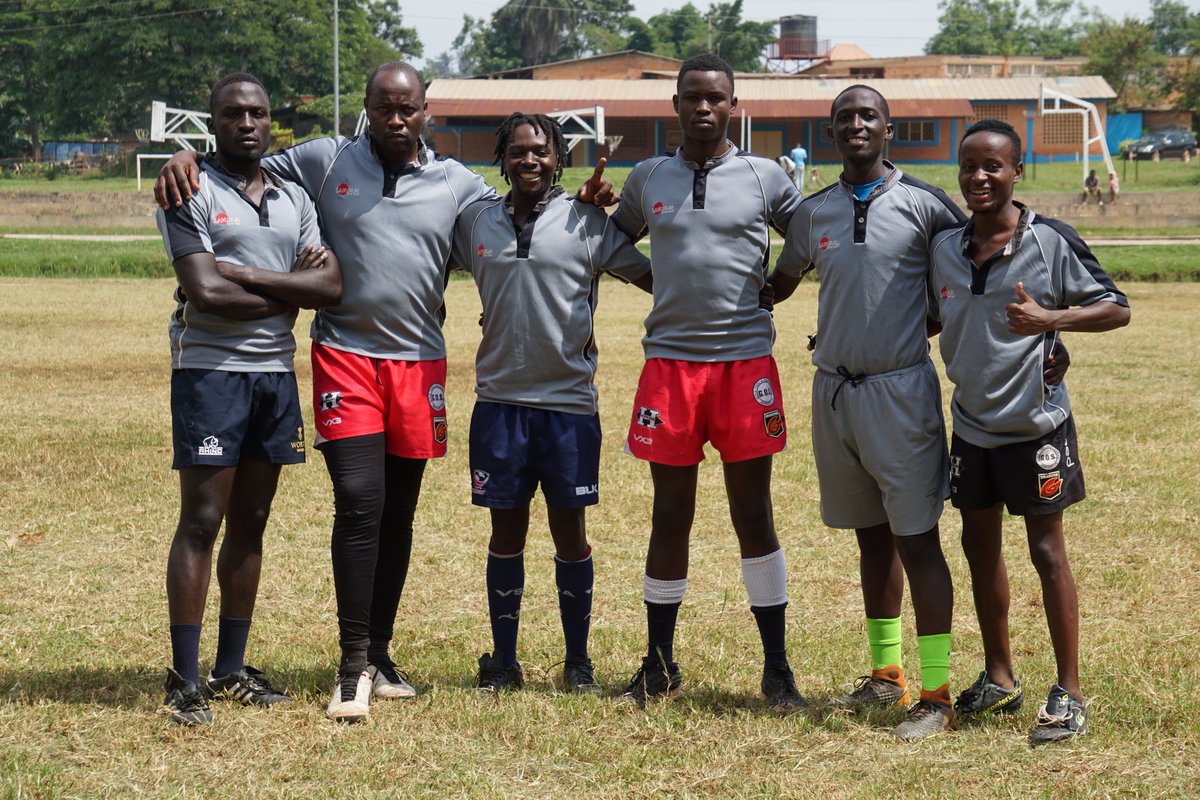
[[1036, 477], [220, 418], [515, 448]]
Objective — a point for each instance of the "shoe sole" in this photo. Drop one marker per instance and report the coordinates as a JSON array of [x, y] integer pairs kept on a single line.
[[350, 719], [629, 699], [226, 694], [391, 693], [184, 721]]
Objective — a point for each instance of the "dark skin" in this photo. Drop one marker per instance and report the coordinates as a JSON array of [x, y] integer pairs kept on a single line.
[[530, 164], [703, 104], [988, 170], [240, 496]]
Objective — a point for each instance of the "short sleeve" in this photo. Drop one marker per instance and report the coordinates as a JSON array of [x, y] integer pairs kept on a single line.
[[613, 252], [185, 229], [630, 216], [796, 257]]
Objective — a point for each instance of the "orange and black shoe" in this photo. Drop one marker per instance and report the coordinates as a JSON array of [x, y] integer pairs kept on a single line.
[[932, 714], [883, 687]]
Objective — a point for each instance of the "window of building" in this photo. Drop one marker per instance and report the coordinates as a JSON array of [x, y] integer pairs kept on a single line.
[[969, 70], [1062, 129], [998, 111], [916, 132], [866, 72], [633, 132], [672, 138]]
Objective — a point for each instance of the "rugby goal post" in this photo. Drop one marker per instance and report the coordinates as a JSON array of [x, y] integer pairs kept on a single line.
[[178, 125], [579, 116], [1063, 103]]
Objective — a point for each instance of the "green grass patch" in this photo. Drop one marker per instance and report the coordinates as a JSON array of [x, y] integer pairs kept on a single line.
[[1158, 263]]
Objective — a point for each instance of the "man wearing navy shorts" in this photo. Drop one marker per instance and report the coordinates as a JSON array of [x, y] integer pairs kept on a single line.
[[709, 376], [247, 252], [536, 256]]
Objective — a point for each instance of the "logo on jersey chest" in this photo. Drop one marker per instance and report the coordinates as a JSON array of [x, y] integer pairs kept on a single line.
[[828, 244], [484, 252], [225, 219], [346, 190], [661, 208], [946, 294]]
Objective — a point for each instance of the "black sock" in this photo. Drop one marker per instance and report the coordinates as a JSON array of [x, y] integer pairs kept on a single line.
[[660, 630], [772, 629], [185, 651], [232, 634], [575, 580], [505, 585]]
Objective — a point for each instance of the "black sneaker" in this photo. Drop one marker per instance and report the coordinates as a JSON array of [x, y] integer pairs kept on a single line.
[[655, 678], [1063, 717], [248, 686], [579, 677], [779, 687], [185, 703], [984, 697], [494, 676]]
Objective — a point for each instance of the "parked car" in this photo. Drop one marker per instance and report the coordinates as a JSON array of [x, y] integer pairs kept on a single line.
[[1163, 144]]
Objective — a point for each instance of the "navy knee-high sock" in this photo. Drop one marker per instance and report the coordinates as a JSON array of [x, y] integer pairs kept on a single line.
[[505, 585], [575, 580]]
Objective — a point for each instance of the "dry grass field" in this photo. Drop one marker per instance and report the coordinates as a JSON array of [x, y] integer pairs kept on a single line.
[[88, 504]]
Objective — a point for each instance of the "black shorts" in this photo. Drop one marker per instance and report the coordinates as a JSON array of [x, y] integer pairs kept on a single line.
[[1041, 476], [221, 418]]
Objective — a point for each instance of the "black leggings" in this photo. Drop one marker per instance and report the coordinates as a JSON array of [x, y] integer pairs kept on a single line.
[[374, 496]]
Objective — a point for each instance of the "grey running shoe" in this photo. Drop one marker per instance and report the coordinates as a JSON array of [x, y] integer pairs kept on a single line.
[[350, 701], [883, 687], [655, 678], [779, 687], [579, 676], [984, 697], [388, 682], [1063, 717], [185, 703], [248, 686], [494, 676], [932, 714]]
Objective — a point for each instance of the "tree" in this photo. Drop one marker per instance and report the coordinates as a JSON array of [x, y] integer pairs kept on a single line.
[[686, 32], [1176, 29], [1008, 27], [1123, 52]]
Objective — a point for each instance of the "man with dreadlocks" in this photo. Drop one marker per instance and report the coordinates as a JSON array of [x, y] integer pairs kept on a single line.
[[535, 419]]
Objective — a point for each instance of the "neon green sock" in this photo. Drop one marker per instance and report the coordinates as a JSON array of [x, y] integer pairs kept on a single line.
[[935, 660], [884, 638]]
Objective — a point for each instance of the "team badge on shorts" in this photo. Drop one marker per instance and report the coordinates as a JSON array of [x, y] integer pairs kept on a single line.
[[330, 400], [439, 430], [648, 418], [763, 393], [1049, 485], [1047, 456], [298, 442], [773, 422], [437, 397], [479, 480]]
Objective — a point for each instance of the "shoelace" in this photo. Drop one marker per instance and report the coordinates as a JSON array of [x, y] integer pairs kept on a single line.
[[1045, 718], [970, 696], [922, 710], [390, 672], [349, 683], [191, 701], [257, 684]]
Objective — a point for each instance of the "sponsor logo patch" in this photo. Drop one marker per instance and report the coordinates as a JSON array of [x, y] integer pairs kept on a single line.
[[648, 418], [1049, 485], [484, 252], [581, 491], [1047, 457], [330, 400], [773, 423], [661, 208], [640, 439], [210, 447], [439, 430], [479, 479], [298, 444], [828, 244], [437, 397], [346, 190], [763, 392], [946, 293], [331, 421], [225, 219]]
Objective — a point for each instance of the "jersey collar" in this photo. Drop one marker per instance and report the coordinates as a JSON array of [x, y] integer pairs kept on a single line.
[[890, 180], [710, 163], [1014, 242]]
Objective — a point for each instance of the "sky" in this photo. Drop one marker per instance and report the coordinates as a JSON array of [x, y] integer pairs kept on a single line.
[[881, 27]]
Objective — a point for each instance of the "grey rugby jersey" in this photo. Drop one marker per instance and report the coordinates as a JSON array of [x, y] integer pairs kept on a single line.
[[1000, 396], [391, 232], [539, 290], [710, 231], [223, 221], [873, 259]]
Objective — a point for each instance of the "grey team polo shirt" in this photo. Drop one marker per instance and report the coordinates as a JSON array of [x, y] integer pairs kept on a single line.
[[1000, 396], [710, 233], [873, 258], [539, 287], [223, 221], [391, 231]]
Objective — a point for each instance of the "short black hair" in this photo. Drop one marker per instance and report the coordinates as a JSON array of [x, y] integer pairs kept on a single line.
[[996, 126], [887, 112], [228, 80], [705, 62], [539, 122], [394, 66]]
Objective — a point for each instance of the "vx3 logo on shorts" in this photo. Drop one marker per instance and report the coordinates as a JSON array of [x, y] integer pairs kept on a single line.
[[330, 400], [210, 447], [648, 418]]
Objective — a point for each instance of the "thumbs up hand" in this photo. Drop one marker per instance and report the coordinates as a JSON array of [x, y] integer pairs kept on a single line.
[[1026, 317]]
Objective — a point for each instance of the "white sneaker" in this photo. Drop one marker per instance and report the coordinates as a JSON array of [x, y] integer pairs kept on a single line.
[[346, 707], [387, 683]]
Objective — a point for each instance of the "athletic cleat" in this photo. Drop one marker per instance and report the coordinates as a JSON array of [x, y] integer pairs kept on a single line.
[[1063, 717], [248, 686], [883, 687], [388, 683], [351, 700], [579, 677], [779, 687], [984, 697], [494, 676], [932, 714], [655, 678], [185, 703]]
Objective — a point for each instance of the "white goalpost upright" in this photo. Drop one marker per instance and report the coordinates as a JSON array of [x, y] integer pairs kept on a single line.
[[1087, 113], [180, 126]]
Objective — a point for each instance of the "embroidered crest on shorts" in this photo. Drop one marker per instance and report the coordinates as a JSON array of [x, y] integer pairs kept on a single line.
[[298, 442], [330, 400], [1049, 485], [1047, 456], [211, 446], [648, 418], [437, 397], [479, 479], [763, 393], [439, 430], [773, 422]]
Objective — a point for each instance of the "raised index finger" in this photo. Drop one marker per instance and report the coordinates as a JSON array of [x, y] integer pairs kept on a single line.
[[598, 172]]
